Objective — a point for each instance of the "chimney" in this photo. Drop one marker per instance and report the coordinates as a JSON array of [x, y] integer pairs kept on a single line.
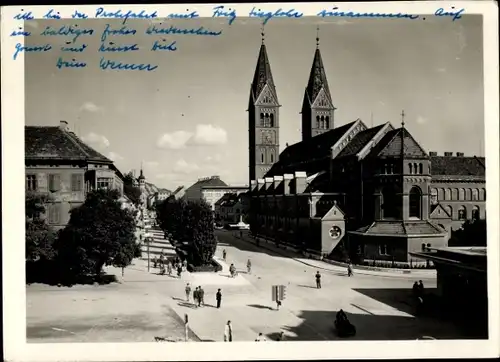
[[433, 153], [269, 182], [287, 178], [460, 154], [448, 154], [63, 125], [278, 181], [300, 182], [260, 185]]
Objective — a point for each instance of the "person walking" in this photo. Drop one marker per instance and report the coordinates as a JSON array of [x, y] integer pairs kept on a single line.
[[218, 298], [179, 270], [196, 296], [260, 338], [232, 270], [201, 295], [249, 266], [188, 292], [224, 254], [169, 268], [184, 265], [420, 288], [318, 280], [349, 269], [228, 332], [415, 290]]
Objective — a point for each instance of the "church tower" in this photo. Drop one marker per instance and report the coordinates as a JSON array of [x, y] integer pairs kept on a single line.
[[142, 186], [317, 107], [263, 118]]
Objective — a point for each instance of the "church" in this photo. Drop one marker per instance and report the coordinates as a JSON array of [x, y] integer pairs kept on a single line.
[[372, 190]]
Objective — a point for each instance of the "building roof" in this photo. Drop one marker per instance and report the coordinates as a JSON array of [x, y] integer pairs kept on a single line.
[[228, 200], [458, 166], [227, 187], [263, 75], [312, 148], [317, 79], [400, 228], [359, 141], [207, 182], [55, 143], [398, 142]]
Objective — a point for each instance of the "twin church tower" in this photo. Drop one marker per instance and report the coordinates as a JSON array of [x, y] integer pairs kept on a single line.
[[263, 111]]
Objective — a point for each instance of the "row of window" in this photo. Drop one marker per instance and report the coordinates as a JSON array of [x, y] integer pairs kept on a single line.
[[267, 120], [323, 122], [457, 194], [414, 169], [263, 156], [54, 182]]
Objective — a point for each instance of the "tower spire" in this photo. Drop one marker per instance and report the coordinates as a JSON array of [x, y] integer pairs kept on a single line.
[[403, 118], [317, 37], [402, 134], [262, 33]]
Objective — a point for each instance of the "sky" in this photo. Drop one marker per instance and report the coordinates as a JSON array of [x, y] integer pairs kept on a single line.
[[187, 119]]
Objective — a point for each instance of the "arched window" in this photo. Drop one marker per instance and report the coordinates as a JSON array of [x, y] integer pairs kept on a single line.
[[475, 194], [415, 170], [440, 194], [434, 196], [317, 121], [262, 119], [322, 122], [449, 210], [462, 213], [390, 203], [271, 123], [468, 194], [428, 246], [327, 124], [420, 168], [475, 213], [454, 194], [262, 156], [482, 194], [272, 157], [423, 246], [461, 194], [411, 168], [415, 202], [447, 194]]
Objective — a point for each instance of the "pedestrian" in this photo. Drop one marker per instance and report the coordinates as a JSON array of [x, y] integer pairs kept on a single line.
[[260, 338], [196, 296], [421, 288], [232, 270], [201, 295], [179, 270], [249, 266], [349, 270], [218, 298], [188, 291], [169, 267], [228, 332], [185, 265], [224, 254], [415, 290], [318, 280]]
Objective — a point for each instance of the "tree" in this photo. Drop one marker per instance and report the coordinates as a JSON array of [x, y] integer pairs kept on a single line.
[[132, 192], [472, 233], [39, 237], [99, 233]]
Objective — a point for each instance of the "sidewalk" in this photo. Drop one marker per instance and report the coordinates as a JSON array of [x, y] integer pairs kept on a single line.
[[339, 267]]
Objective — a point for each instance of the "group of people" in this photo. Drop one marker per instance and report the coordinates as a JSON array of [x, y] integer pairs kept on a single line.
[[168, 266], [199, 296], [232, 268], [418, 294]]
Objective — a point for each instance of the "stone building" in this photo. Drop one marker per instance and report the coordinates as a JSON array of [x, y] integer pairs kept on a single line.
[[374, 188], [61, 165], [232, 208]]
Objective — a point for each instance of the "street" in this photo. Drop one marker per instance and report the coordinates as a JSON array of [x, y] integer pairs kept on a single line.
[[147, 305]]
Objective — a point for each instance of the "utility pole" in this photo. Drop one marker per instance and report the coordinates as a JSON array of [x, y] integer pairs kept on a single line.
[[147, 241]]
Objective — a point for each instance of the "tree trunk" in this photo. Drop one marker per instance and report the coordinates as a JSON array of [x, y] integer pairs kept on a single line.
[[123, 271], [98, 270]]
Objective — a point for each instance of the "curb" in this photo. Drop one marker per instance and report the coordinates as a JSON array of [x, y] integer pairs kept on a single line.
[[406, 272]]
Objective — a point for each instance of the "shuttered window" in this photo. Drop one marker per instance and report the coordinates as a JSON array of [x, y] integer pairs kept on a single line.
[[54, 182], [76, 182]]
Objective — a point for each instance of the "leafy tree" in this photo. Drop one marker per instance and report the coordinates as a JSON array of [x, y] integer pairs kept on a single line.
[[99, 233], [132, 192], [39, 237], [472, 233]]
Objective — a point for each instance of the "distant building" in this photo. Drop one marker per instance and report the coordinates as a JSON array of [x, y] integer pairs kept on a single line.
[[210, 189], [232, 207], [60, 164], [179, 192], [159, 196], [374, 188]]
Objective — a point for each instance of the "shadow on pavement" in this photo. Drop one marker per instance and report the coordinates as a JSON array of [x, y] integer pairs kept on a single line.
[[306, 286], [319, 325], [260, 306]]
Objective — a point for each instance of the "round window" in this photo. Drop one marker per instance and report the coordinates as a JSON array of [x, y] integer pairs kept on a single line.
[[335, 232]]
